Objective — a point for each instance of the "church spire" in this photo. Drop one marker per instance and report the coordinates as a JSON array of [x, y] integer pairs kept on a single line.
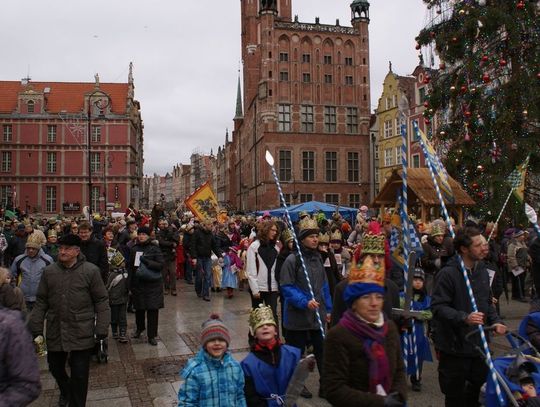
[[239, 113]]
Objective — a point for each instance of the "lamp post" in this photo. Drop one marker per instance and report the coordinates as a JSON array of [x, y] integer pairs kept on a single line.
[[102, 103]]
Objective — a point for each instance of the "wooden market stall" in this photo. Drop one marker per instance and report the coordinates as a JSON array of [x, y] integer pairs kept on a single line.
[[422, 196]]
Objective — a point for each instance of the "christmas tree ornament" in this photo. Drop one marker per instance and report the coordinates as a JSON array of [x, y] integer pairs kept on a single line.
[[463, 89], [475, 186], [452, 88], [520, 5], [486, 78], [481, 3], [485, 58], [480, 168], [502, 62], [495, 153]]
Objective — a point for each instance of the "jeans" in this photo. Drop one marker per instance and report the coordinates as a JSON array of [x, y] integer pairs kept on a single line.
[[118, 318], [169, 275], [188, 271], [460, 379], [152, 317], [203, 277], [75, 387]]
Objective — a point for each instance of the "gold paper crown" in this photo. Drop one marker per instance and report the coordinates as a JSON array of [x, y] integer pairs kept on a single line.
[[52, 232], [286, 236], [368, 272], [436, 230], [262, 315], [324, 238], [373, 244], [308, 223], [336, 236]]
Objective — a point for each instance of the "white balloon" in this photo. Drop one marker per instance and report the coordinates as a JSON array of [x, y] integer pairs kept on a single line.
[[531, 214]]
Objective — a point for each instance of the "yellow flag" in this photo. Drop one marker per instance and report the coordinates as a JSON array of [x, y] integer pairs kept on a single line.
[[203, 203]]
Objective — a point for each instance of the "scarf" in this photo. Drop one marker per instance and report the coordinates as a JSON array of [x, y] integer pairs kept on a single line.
[[373, 340]]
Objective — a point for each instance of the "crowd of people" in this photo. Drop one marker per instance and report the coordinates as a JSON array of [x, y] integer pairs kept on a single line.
[[326, 286]]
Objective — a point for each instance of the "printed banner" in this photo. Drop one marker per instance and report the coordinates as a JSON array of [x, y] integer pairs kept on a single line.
[[203, 203]]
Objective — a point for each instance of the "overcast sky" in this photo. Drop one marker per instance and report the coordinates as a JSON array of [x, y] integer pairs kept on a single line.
[[185, 53]]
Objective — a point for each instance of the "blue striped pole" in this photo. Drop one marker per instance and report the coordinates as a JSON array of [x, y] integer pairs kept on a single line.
[[489, 360], [270, 160]]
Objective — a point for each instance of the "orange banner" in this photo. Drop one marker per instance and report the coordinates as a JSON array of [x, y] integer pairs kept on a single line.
[[203, 203]]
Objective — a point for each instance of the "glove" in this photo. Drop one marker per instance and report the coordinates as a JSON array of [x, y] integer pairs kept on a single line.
[[394, 400], [101, 337]]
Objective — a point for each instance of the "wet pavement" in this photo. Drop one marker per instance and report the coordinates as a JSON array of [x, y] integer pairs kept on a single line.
[[138, 374]]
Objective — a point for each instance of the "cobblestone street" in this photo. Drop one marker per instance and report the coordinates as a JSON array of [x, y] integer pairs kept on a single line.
[[138, 374]]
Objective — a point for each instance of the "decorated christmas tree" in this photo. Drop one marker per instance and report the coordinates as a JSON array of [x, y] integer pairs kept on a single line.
[[484, 102]]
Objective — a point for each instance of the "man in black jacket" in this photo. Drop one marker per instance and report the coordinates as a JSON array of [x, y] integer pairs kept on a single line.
[[461, 370], [201, 248], [93, 249], [168, 240]]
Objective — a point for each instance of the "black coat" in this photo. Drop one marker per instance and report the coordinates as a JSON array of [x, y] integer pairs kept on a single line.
[[95, 252], [451, 305], [168, 240], [147, 295], [203, 244]]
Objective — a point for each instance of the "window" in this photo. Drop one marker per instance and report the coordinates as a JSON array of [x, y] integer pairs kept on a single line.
[[284, 76], [306, 117], [285, 165], [388, 103], [95, 162], [284, 117], [394, 101], [352, 120], [283, 57], [328, 59], [376, 148], [422, 94], [288, 198], [51, 162], [308, 166], [96, 134], [5, 195], [364, 79], [306, 198], [354, 201], [353, 166], [8, 132], [270, 74], [330, 119], [348, 61], [51, 133], [388, 157], [398, 155], [327, 78], [364, 61], [30, 106], [6, 161], [306, 77], [398, 127], [306, 58], [331, 199], [50, 199], [416, 161], [95, 198], [331, 166], [388, 128], [348, 80]]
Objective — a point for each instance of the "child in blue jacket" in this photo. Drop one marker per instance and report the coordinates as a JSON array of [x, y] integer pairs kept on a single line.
[[212, 378]]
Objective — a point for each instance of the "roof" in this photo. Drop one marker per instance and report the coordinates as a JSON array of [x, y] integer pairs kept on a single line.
[[63, 96], [420, 188]]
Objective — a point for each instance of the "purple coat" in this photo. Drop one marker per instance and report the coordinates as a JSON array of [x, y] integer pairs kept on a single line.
[[19, 370]]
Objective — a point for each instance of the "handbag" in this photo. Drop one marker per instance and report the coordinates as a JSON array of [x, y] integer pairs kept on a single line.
[[144, 273]]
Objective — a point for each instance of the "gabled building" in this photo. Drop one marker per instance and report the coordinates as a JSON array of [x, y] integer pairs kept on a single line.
[[67, 145], [306, 99]]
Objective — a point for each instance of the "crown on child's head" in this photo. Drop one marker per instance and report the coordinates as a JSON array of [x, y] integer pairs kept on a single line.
[[336, 236], [259, 316]]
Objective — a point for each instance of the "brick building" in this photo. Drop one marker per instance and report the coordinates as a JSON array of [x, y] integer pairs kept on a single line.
[[44, 158], [306, 100]]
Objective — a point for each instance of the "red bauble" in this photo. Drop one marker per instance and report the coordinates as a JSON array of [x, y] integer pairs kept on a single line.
[[467, 137], [538, 75], [418, 46], [427, 121], [442, 66], [427, 79], [475, 186], [480, 195], [426, 103], [485, 58], [454, 39], [467, 114], [464, 89], [486, 78], [520, 5], [502, 62], [432, 33]]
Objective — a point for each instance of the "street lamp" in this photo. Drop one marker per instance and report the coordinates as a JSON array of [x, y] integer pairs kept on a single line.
[[102, 103]]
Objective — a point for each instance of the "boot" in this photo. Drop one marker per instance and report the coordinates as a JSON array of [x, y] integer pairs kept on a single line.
[[137, 334], [114, 329], [122, 338]]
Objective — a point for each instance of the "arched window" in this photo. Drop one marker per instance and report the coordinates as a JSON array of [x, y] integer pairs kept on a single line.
[[30, 106]]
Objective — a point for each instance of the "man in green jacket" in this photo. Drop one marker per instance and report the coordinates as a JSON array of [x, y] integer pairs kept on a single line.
[[72, 298]]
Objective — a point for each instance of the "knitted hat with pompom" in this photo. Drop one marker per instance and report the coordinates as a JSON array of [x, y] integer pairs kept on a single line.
[[214, 328]]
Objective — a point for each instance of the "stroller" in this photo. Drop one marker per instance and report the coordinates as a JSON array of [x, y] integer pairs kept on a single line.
[[517, 370]]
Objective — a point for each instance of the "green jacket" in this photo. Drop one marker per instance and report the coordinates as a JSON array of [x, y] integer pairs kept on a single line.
[[75, 304]]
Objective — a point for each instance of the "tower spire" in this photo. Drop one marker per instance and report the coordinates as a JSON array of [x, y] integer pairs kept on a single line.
[[239, 113]]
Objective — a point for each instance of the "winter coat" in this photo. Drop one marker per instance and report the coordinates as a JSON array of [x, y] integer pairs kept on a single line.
[[346, 368], [167, 240], [516, 255], [117, 286], [435, 256], [295, 290], [11, 297], [19, 368], [210, 382], [257, 270], [30, 269], [52, 250], [203, 244], [95, 252], [147, 295], [75, 304], [451, 305]]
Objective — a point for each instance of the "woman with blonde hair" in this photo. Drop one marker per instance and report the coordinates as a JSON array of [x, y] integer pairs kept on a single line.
[[10, 297]]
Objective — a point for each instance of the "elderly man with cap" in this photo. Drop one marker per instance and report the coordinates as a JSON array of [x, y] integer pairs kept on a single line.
[[299, 318], [518, 264], [27, 269], [72, 298]]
